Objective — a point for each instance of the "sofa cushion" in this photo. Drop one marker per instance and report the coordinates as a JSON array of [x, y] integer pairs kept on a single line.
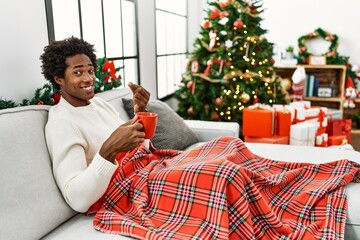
[[31, 205], [171, 130]]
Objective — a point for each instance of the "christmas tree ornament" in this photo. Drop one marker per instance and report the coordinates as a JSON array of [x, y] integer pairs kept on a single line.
[[190, 110], [215, 116], [195, 66], [223, 14], [218, 102], [238, 23], [214, 12], [190, 84], [223, 21], [212, 36], [245, 97], [224, 3], [206, 24], [228, 43]]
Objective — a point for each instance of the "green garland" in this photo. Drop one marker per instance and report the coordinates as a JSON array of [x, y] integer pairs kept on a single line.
[[106, 79], [331, 54]]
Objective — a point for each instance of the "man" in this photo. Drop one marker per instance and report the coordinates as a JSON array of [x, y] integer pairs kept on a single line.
[[84, 133]]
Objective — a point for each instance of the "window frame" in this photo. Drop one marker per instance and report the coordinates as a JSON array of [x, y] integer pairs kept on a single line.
[[186, 53], [51, 34]]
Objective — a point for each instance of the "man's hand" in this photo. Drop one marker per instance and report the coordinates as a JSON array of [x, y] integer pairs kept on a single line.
[[140, 97], [125, 138]]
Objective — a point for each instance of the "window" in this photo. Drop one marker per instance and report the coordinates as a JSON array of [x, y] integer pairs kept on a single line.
[[171, 44], [108, 24]]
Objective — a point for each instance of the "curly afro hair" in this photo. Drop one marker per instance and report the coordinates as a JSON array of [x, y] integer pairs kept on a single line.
[[54, 57]]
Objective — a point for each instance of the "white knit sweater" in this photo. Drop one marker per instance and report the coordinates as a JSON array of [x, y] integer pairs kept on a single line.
[[74, 137]]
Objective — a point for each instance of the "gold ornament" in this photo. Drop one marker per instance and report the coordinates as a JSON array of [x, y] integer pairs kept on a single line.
[[245, 97]]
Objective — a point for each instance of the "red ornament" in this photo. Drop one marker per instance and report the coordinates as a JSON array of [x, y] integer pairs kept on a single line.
[[215, 116], [214, 12], [271, 60], [218, 101], [40, 103], [238, 23], [190, 84], [206, 24], [224, 3]]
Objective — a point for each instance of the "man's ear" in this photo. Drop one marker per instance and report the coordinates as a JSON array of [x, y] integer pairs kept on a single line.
[[59, 80]]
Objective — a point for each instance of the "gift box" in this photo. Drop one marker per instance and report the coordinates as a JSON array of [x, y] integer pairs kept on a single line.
[[297, 113], [337, 140], [318, 117], [334, 114], [274, 139], [303, 134], [258, 121], [283, 123], [340, 127], [321, 140], [301, 104]]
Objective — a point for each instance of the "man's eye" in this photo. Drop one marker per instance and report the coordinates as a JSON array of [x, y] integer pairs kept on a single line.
[[91, 71], [77, 73]]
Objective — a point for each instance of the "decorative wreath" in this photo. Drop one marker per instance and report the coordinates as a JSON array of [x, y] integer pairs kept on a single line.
[[331, 54]]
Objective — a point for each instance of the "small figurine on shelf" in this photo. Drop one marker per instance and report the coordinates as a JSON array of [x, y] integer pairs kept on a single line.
[[350, 94], [289, 52]]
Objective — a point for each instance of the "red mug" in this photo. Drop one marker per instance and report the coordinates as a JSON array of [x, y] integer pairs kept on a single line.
[[149, 121]]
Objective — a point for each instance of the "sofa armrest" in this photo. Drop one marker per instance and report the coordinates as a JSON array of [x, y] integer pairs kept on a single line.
[[207, 130]]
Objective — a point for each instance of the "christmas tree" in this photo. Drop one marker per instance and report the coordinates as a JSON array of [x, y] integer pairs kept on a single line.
[[231, 66]]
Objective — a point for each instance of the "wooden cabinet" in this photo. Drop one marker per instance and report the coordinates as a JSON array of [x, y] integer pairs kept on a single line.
[[329, 76]]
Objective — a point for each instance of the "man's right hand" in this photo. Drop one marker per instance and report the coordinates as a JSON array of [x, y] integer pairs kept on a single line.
[[125, 138]]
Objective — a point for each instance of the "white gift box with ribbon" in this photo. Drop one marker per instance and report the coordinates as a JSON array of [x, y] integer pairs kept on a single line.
[[303, 134]]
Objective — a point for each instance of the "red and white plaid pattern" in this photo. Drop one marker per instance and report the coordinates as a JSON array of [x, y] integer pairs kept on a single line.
[[223, 191]]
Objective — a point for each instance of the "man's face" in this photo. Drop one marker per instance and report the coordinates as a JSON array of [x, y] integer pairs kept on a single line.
[[77, 85]]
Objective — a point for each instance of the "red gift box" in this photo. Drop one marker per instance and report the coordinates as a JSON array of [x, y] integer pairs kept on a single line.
[[340, 127], [283, 123], [274, 139], [258, 121], [337, 140]]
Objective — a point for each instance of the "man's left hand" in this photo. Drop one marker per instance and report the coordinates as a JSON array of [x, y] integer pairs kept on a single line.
[[140, 97]]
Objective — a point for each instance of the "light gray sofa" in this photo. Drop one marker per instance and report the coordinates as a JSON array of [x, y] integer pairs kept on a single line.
[[32, 207]]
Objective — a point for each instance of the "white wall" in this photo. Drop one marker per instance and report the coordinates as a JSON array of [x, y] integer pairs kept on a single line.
[[23, 37], [286, 21], [24, 34]]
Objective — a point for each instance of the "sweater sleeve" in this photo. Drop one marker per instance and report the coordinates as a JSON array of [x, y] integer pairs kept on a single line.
[[80, 184]]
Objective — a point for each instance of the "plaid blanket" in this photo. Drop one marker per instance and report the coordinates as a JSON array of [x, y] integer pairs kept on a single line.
[[221, 190]]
